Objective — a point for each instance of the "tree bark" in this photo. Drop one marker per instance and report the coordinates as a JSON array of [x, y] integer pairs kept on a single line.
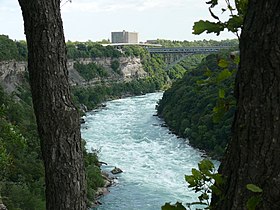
[[57, 117], [253, 153]]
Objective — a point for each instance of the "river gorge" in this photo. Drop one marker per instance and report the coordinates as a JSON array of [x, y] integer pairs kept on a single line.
[[154, 161]]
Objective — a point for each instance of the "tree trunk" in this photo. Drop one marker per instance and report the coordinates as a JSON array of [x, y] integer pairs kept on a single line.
[[253, 154], [57, 117]]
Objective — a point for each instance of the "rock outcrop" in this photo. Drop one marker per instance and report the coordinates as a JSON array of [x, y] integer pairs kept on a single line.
[[3, 207], [116, 171], [12, 73]]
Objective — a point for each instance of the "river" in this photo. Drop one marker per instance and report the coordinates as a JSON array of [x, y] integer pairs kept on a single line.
[[154, 161]]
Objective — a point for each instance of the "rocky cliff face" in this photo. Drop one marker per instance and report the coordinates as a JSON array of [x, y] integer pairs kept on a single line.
[[12, 73], [130, 68]]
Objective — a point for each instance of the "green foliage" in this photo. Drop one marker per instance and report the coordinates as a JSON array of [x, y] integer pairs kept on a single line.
[[205, 180], [93, 173], [135, 51], [22, 171], [22, 182], [91, 70], [233, 23], [254, 188], [256, 199], [177, 206], [209, 27], [253, 202], [197, 43], [12, 50], [19, 196], [90, 49], [200, 108], [95, 95], [115, 64]]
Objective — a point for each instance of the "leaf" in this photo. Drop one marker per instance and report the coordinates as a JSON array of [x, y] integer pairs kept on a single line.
[[223, 63], [205, 166], [254, 188], [234, 23], [236, 59], [202, 197], [218, 179], [221, 93], [201, 82], [225, 74], [210, 27], [219, 111], [241, 6], [253, 202], [190, 179], [196, 174], [208, 72], [177, 206], [215, 190]]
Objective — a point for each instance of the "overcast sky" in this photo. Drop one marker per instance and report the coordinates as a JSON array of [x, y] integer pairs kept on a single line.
[[95, 19]]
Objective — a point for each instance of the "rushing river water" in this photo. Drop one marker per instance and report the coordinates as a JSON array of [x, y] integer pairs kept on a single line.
[[154, 161]]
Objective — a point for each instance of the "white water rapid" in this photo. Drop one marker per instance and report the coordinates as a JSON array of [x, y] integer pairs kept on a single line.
[[154, 161]]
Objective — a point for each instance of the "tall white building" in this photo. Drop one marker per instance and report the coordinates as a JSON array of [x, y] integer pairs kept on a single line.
[[124, 37]]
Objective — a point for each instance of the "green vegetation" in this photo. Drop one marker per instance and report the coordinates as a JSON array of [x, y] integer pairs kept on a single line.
[[189, 106], [90, 49], [22, 180], [233, 23], [197, 43], [115, 66], [10, 50], [95, 95], [91, 70], [203, 180], [22, 170]]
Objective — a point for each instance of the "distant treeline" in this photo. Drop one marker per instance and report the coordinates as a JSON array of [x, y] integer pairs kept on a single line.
[[12, 50], [196, 43], [17, 50]]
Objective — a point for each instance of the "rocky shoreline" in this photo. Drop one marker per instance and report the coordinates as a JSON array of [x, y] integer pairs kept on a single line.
[[109, 181]]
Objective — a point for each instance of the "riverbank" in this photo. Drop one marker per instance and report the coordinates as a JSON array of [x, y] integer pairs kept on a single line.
[[102, 191]]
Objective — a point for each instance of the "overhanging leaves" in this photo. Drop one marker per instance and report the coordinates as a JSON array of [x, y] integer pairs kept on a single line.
[[210, 27], [234, 23]]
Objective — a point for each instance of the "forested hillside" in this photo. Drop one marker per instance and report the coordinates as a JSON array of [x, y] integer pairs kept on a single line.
[[22, 171], [200, 106]]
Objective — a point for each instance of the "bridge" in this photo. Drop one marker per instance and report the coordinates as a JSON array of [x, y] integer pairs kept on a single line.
[[173, 55]]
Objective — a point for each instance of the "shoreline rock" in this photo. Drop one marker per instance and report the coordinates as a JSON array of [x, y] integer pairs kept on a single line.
[[102, 191], [116, 171], [3, 207]]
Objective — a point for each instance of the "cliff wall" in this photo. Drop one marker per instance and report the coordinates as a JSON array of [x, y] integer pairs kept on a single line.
[[13, 73]]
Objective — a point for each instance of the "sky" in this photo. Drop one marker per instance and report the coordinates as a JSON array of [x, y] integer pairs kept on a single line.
[[95, 19]]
